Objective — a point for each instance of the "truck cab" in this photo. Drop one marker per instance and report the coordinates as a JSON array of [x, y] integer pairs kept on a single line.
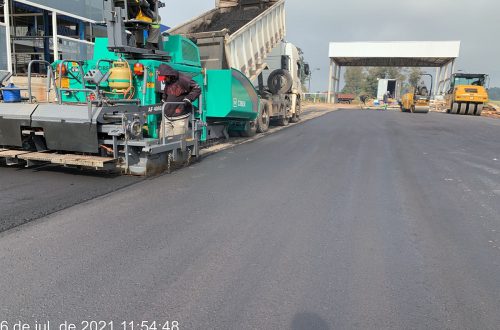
[[281, 83]]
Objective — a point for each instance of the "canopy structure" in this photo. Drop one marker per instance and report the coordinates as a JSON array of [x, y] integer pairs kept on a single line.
[[439, 54]]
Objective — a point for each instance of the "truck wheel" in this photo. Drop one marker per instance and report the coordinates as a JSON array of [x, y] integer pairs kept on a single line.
[[263, 120], [298, 109], [469, 109], [283, 121], [479, 109], [279, 82], [455, 107], [463, 108], [250, 129]]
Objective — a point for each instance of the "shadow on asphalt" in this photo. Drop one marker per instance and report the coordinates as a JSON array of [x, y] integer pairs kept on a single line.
[[63, 170], [303, 321]]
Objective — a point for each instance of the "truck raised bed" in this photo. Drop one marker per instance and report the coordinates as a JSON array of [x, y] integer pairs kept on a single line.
[[247, 36]]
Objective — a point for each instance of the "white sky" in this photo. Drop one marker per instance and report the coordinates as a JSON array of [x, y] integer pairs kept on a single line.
[[312, 24]]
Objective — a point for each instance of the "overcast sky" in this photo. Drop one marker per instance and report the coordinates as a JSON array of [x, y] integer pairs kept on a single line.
[[312, 24]]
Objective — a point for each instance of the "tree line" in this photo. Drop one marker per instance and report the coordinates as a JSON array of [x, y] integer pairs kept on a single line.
[[364, 81], [494, 93]]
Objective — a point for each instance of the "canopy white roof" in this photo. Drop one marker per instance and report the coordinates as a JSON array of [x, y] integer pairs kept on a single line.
[[399, 53]]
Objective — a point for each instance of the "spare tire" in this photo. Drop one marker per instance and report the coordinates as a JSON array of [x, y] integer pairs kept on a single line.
[[280, 82]]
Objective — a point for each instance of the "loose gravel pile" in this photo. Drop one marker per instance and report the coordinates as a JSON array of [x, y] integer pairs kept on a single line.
[[232, 20]]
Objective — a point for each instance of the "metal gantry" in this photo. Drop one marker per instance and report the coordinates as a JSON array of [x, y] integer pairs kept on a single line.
[[441, 55]]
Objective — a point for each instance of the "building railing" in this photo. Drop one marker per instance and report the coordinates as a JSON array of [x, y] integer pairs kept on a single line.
[[75, 49]]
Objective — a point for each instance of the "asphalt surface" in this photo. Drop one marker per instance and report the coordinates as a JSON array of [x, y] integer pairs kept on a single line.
[[355, 220], [30, 193]]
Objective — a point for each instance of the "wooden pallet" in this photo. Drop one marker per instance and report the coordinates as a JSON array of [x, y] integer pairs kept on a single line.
[[36, 156], [6, 153], [59, 159], [90, 161]]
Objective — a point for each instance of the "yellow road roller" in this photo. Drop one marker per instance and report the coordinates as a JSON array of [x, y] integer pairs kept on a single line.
[[467, 94], [418, 98]]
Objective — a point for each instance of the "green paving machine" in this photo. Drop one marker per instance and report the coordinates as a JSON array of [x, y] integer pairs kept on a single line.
[[107, 111]]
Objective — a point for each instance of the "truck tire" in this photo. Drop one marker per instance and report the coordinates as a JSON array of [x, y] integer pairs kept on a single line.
[[263, 120], [298, 110], [479, 109], [463, 108], [468, 109], [455, 108], [250, 129], [280, 82], [233, 133], [284, 119]]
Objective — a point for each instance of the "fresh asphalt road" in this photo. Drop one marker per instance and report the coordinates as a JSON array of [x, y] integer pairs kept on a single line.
[[30, 193], [355, 220]]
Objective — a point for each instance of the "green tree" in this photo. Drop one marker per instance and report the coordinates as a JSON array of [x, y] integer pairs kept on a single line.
[[395, 73], [414, 76], [373, 74], [494, 93], [354, 78]]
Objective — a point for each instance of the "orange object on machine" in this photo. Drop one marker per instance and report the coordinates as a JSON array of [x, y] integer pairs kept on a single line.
[[62, 68], [63, 80], [138, 69]]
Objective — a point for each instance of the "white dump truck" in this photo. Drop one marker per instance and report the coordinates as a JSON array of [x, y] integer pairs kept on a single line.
[[247, 35], [283, 77]]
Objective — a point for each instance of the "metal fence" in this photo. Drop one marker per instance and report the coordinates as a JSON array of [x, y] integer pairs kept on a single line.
[[316, 97]]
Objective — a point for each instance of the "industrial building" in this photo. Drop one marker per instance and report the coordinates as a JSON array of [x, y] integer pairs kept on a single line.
[[27, 31]]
